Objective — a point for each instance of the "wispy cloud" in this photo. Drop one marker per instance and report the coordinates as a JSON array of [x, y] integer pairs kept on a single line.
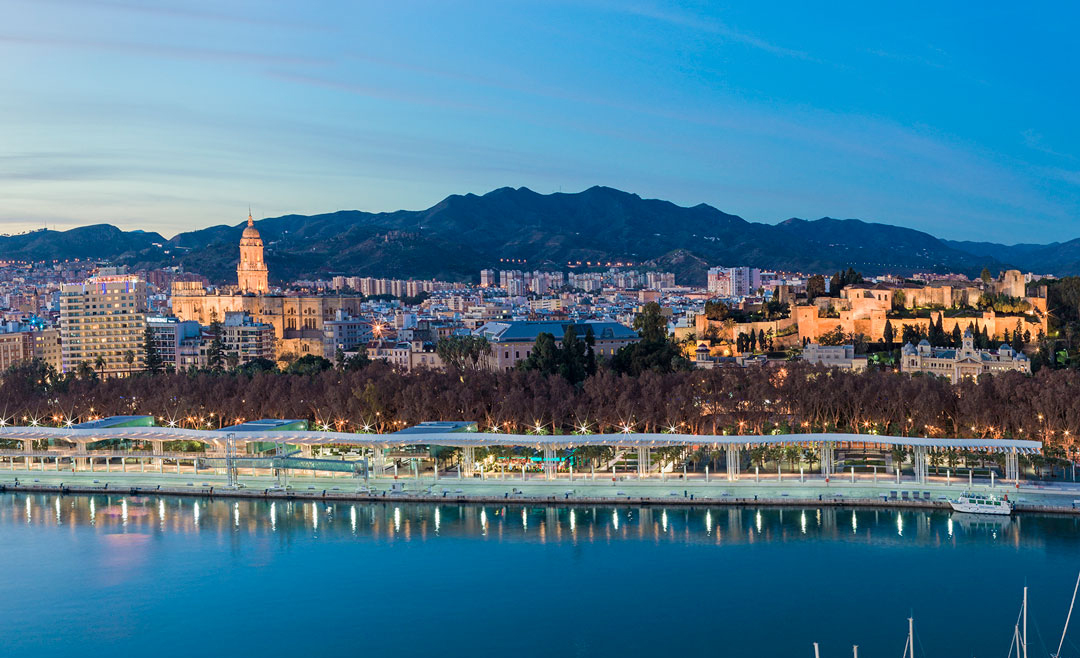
[[1035, 141], [251, 18], [906, 58], [710, 26], [155, 49], [372, 91]]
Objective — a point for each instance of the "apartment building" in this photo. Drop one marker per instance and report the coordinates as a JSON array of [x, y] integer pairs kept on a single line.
[[102, 321]]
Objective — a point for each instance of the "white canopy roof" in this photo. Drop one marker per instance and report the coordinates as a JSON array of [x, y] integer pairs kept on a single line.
[[462, 439]]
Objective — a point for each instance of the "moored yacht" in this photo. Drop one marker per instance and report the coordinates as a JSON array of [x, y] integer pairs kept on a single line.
[[973, 503]]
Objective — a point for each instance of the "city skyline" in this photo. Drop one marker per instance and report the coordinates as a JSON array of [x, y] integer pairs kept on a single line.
[[305, 303], [171, 119]]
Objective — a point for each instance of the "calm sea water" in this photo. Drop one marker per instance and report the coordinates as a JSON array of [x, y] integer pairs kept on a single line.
[[125, 576]]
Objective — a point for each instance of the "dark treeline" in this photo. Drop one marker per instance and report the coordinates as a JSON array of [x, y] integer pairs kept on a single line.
[[794, 398]]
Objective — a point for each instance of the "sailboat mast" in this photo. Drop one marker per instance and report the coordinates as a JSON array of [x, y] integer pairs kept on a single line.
[[1025, 621], [816, 653], [1068, 617], [909, 649]]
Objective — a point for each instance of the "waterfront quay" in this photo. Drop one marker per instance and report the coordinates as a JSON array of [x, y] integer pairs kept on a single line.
[[583, 490], [450, 460]]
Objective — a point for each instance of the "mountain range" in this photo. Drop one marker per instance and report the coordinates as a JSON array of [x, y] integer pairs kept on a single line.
[[462, 234]]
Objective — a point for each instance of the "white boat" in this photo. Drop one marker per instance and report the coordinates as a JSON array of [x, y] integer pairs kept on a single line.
[[972, 503]]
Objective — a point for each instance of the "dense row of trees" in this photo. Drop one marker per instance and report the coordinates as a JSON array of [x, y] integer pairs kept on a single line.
[[815, 285], [718, 311], [1002, 303], [794, 398]]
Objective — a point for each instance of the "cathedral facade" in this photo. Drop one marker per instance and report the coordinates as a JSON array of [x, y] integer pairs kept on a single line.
[[297, 320]]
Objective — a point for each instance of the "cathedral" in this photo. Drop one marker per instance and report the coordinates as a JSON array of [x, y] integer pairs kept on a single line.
[[251, 272], [297, 320]]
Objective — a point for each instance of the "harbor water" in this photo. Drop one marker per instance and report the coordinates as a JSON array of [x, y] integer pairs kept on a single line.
[[121, 575]]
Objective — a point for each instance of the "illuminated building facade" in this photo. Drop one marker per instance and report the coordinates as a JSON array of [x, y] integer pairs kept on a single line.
[[298, 321], [252, 274], [102, 321]]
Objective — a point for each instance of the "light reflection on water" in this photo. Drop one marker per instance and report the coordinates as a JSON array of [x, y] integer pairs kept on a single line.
[[115, 567], [108, 513]]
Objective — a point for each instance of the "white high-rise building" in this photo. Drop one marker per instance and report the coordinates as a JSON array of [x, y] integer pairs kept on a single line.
[[105, 316], [734, 281]]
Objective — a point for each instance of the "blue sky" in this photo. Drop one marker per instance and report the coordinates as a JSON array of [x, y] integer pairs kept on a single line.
[[954, 118]]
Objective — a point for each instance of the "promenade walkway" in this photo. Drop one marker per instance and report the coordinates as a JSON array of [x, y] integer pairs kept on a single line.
[[427, 435]]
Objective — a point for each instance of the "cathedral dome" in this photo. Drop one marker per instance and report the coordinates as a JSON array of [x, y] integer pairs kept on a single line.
[[250, 232]]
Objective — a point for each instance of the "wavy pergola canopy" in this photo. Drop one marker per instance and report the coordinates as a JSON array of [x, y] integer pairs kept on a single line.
[[484, 439]]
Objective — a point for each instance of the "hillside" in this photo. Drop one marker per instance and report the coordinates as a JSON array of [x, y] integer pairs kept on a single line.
[[1059, 258], [463, 233], [85, 242]]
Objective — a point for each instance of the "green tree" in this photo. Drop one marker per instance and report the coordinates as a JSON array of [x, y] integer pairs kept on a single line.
[[911, 333], [357, 361], [887, 334], [842, 279], [99, 363], [815, 287], [572, 356], [151, 357], [257, 365], [129, 359], [590, 352], [464, 353], [309, 364], [986, 277], [215, 354], [654, 351], [937, 335], [716, 310], [651, 323], [84, 370], [544, 356], [834, 337], [899, 454]]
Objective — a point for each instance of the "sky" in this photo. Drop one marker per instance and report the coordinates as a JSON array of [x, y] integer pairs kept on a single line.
[[958, 119]]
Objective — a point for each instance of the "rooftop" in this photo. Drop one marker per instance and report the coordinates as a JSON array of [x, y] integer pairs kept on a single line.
[[525, 331], [116, 421]]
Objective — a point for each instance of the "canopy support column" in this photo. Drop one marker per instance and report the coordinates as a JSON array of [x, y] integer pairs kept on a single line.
[[643, 458], [919, 462], [379, 458], [1012, 465], [549, 462], [827, 458], [468, 460], [732, 462]]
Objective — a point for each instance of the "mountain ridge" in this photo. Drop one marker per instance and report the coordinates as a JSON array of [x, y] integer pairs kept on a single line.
[[464, 233]]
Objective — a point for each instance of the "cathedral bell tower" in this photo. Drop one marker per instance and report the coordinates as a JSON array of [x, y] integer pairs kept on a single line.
[[251, 272]]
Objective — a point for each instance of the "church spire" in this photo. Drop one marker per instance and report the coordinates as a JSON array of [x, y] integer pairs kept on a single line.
[[251, 222]]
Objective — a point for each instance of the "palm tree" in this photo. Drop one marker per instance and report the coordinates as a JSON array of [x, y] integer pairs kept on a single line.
[[899, 454], [84, 370], [99, 363], [792, 454], [129, 359]]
